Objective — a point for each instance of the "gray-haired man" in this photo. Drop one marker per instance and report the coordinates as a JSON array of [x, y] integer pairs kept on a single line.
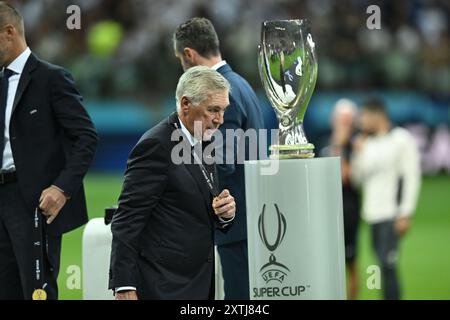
[[196, 43], [163, 228]]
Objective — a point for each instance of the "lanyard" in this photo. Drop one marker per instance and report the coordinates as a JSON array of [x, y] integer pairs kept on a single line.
[[207, 175], [39, 247]]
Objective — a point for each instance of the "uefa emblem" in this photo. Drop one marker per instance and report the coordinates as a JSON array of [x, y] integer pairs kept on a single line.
[[273, 270]]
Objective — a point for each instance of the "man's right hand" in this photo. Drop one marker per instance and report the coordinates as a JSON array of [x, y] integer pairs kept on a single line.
[[126, 295], [224, 205]]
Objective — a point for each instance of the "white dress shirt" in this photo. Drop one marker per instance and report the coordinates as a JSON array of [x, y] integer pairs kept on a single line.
[[17, 66], [218, 65], [192, 140]]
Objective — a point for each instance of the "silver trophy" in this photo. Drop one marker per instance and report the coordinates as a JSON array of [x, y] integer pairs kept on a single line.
[[288, 69]]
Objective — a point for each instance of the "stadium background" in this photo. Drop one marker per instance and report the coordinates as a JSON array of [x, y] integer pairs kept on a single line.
[[123, 62]]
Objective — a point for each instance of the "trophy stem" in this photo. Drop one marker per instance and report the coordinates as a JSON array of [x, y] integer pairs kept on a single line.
[[292, 144]]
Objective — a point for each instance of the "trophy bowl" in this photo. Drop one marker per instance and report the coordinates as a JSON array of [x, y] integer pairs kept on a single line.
[[288, 70]]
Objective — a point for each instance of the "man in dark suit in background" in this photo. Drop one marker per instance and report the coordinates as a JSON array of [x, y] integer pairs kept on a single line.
[[47, 144], [163, 229], [196, 43]]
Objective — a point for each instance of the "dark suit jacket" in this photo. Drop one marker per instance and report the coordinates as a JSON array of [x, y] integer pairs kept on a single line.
[[243, 113], [53, 140], [163, 227]]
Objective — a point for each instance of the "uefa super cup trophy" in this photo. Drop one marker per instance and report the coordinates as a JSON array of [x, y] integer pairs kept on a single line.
[[288, 70]]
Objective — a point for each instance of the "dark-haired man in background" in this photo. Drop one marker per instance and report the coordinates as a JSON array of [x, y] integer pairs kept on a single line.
[[196, 43], [386, 163]]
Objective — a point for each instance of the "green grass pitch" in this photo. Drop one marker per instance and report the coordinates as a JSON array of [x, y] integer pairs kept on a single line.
[[424, 254]]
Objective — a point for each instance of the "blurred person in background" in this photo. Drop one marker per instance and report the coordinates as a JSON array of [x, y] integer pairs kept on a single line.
[[343, 132], [47, 144], [386, 164], [196, 43]]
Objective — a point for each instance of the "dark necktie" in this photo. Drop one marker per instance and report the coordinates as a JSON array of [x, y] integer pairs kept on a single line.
[[3, 98]]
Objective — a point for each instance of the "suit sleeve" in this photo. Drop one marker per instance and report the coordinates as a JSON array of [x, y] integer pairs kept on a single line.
[[78, 129], [233, 119], [145, 181]]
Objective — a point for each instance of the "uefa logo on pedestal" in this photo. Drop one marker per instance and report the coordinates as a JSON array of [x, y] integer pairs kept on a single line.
[[273, 270], [274, 273]]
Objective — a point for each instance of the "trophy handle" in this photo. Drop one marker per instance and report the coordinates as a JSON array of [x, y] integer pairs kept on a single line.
[[285, 112], [311, 71]]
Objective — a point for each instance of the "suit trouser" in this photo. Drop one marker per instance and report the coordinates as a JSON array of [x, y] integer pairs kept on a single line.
[[16, 249], [234, 260], [385, 242]]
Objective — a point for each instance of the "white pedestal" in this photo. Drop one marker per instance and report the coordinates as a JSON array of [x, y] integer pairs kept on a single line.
[[97, 238], [295, 229]]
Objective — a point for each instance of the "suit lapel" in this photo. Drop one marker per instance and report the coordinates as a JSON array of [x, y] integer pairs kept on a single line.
[[212, 169], [193, 169], [25, 79], [197, 174]]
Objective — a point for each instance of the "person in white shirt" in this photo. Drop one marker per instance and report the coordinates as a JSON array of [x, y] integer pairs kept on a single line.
[[386, 164]]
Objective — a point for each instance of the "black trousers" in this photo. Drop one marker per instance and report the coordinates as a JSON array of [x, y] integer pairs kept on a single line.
[[16, 249], [385, 243], [234, 260]]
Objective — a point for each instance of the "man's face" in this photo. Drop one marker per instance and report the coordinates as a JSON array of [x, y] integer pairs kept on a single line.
[[369, 121], [343, 120], [5, 47], [206, 117]]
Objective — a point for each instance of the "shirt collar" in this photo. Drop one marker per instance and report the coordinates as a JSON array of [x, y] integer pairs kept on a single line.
[[218, 65], [19, 63], [192, 140]]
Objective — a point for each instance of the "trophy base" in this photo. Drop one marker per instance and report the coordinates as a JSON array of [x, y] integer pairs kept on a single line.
[[291, 151]]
